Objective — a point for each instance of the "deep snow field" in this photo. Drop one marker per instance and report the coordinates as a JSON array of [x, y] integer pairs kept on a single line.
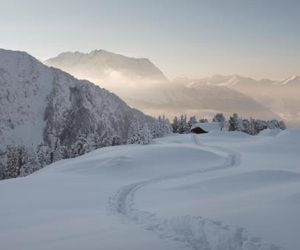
[[222, 190]]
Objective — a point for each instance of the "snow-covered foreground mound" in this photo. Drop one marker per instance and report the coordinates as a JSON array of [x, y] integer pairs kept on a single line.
[[214, 191]]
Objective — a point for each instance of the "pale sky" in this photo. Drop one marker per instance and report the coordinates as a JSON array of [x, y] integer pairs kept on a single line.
[[256, 38]]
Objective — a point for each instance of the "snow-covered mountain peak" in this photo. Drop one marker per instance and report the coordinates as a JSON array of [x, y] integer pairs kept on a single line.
[[17, 62], [100, 65], [234, 80], [292, 80], [220, 80], [226, 80]]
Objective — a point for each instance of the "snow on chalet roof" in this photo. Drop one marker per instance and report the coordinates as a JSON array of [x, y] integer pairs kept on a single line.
[[207, 126]]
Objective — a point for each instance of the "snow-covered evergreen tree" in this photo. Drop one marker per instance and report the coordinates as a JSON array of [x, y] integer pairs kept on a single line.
[[282, 125], [15, 160], [183, 127], [139, 133], [220, 118], [253, 126], [233, 123], [21, 161], [161, 127], [191, 122], [175, 125], [166, 127], [203, 120]]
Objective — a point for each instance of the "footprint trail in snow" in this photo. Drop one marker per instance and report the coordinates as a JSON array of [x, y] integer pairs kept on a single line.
[[193, 232]]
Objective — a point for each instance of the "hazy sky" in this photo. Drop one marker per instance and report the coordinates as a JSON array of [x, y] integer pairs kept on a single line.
[[257, 38]]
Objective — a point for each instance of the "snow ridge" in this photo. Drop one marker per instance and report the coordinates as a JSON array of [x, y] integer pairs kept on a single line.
[[193, 232]]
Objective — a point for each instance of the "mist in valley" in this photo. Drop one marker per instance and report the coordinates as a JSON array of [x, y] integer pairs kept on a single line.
[[145, 87]]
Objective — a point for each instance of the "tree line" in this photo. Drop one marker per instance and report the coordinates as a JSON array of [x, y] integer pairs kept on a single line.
[[251, 126]]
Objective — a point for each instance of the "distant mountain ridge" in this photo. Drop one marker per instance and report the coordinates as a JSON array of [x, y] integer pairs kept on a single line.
[[292, 80], [237, 80], [282, 96], [101, 64], [47, 115]]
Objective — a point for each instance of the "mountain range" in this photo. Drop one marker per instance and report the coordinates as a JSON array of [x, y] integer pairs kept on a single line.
[[241, 81], [282, 97], [150, 91]]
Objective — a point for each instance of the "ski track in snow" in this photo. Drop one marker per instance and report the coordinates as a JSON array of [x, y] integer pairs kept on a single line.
[[192, 232]]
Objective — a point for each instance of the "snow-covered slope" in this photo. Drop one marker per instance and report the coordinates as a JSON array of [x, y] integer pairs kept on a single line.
[[46, 114], [224, 190], [25, 85]]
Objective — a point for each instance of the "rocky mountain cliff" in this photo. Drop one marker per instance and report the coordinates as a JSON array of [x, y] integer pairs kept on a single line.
[[101, 65]]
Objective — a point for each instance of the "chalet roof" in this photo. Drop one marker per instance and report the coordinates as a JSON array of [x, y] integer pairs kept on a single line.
[[207, 126]]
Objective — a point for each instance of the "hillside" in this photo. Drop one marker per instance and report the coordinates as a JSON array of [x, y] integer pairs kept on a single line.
[[47, 114]]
